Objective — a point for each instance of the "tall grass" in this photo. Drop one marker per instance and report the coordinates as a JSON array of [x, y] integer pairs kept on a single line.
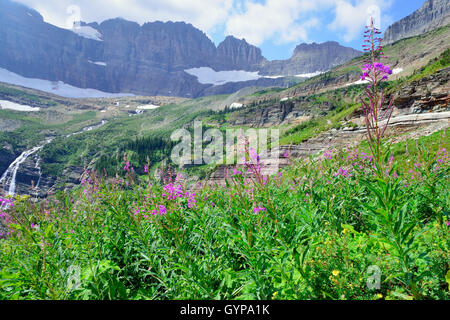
[[310, 232]]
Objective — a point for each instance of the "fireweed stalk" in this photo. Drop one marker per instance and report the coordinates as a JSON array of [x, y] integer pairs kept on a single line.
[[375, 72], [390, 212]]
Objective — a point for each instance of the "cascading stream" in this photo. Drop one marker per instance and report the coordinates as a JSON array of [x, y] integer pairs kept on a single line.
[[8, 179]]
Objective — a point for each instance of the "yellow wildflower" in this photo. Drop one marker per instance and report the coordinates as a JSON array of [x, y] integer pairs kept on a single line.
[[335, 273]]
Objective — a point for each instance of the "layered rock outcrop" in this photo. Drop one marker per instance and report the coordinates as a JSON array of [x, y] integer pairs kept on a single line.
[[429, 94]]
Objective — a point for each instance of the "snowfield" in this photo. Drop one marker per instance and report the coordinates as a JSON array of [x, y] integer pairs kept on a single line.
[[206, 75], [4, 104], [309, 75], [55, 87], [148, 107], [236, 105], [357, 82], [87, 32]]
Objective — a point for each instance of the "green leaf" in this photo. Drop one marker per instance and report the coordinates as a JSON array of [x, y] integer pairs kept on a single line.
[[447, 278]]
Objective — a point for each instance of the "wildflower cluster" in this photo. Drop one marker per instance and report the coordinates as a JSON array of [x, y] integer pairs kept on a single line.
[[172, 192], [6, 202], [377, 71], [259, 209]]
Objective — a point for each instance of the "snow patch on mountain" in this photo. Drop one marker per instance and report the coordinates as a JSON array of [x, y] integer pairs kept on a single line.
[[4, 104], [88, 32], [274, 77], [304, 75], [357, 82], [206, 75], [55, 87], [148, 107], [309, 75], [236, 105]]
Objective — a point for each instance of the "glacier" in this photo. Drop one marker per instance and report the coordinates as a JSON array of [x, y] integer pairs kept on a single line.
[[4, 104], [58, 88], [206, 75], [87, 32]]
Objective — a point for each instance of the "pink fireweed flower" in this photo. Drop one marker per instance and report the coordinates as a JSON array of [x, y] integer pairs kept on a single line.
[[343, 173], [172, 192], [5, 202], [442, 156], [162, 210], [259, 209], [254, 155], [328, 155], [191, 200], [146, 168]]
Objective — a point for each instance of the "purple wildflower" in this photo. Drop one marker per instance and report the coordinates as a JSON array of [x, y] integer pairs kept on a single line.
[[259, 209]]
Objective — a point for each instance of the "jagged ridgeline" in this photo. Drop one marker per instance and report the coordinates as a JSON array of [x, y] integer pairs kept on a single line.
[[169, 59]]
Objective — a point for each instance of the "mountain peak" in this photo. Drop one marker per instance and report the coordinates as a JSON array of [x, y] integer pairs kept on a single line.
[[238, 53]]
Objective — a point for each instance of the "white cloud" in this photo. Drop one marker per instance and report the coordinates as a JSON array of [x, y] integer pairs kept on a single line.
[[281, 21], [284, 19], [203, 14], [350, 19]]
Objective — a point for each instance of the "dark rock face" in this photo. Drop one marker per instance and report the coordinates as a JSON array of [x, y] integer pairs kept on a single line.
[[432, 14], [7, 156], [309, 58], [33, 48], [144, 60]]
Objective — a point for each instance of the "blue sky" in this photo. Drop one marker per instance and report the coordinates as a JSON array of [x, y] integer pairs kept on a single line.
[[398, 10], [276, 26]]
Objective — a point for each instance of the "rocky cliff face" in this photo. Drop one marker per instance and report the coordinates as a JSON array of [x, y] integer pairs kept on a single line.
[[122, 56], [309, 58], [235, 53], [432, 14]]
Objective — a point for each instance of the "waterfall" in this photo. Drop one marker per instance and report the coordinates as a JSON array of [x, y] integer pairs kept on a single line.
[[8, 179], [36, 188]]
